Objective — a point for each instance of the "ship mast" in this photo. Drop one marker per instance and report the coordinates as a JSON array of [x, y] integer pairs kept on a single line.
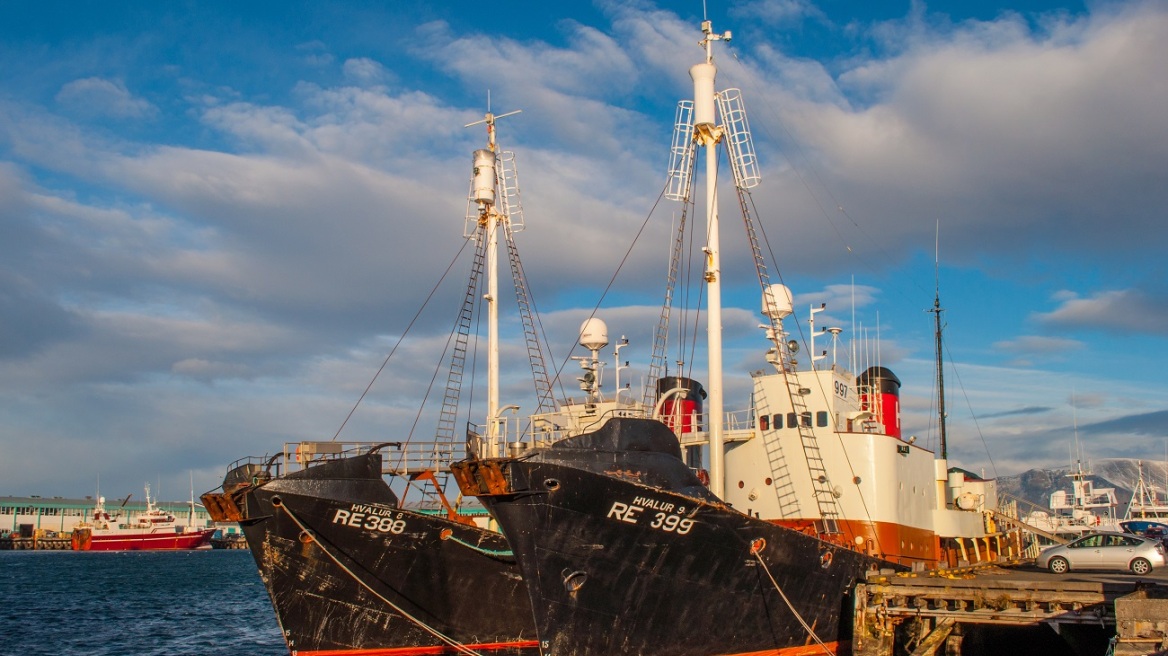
[[937, 310], [485, 194], [707, 133]]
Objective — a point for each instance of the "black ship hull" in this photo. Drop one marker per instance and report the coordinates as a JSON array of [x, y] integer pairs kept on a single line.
[[624, 552], [350, 572]]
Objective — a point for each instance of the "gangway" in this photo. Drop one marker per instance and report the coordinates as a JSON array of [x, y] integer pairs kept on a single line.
[[1013, 522]]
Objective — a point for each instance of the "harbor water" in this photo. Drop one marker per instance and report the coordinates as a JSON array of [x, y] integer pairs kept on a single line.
[[195, 603]]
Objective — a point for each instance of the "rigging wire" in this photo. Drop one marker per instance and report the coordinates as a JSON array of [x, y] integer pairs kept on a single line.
[[803, 338], [401, 337], [426, 627], [756, 548], [806, 163], [972, 416], [615, 274]]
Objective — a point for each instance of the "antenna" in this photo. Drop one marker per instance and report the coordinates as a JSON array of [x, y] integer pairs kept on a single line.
[[1075, 426], [855, 334], [493, 170], [835, 333], [811, 331], [937, 310], [624, 341]]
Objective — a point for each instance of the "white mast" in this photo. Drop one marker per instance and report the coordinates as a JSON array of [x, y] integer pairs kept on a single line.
[[485, 188], [707, 133]]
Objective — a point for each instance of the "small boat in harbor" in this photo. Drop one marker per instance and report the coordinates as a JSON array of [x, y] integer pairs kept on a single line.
[[153, 530], [1147, 502], [1083, 509]]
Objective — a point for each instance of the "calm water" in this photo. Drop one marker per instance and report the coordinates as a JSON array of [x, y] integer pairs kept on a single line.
[[194, 603]]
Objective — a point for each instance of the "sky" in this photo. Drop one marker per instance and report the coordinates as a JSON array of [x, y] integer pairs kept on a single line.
[[218, 219]]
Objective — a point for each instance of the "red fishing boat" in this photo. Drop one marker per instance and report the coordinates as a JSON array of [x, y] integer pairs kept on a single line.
[[153, 530]]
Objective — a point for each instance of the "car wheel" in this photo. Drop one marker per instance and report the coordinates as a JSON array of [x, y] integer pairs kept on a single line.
[[1140, 566], [1059, 565]]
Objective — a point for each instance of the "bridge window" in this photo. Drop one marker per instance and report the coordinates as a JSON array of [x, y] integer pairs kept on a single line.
[[764, 422], [778, 421], [821, 418], [807, 419], [792, 422]]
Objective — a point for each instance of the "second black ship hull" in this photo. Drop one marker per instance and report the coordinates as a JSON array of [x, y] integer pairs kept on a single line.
[[350, 572], [625, 552]]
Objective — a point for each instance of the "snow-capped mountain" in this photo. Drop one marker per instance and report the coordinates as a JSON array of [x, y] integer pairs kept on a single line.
[[1036, 485]]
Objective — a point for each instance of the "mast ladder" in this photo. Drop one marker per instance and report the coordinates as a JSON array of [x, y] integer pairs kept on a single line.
[[543, 386], [443, 451], [784, 485], [825, 497], [661, 332], [509, 184]]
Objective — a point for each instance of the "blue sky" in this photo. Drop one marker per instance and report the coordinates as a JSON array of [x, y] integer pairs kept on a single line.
[[216, 220]]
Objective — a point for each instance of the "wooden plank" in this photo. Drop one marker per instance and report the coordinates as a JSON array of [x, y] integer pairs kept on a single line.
[[929, 645]]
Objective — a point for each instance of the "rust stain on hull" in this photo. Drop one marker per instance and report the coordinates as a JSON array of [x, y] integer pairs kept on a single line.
[[482, 477], [221, 507]]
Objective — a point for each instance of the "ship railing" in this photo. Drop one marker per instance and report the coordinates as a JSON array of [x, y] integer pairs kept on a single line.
[[573, 417], [397, 458], [692, 430]]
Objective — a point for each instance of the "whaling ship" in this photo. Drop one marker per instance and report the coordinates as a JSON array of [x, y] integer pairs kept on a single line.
[[349, 570], [348, 566], [813, 485]]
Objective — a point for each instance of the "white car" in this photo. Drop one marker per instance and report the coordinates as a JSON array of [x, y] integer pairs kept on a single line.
[[1114, 551]]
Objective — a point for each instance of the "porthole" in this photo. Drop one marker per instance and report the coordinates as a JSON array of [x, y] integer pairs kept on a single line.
[[573, 581]]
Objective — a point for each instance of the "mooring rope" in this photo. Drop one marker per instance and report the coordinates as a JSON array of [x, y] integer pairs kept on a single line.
[[429, 629], [494, 553], [756, 548]]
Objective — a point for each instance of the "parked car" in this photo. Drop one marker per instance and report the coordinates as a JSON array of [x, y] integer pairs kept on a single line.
[[1111, 551]]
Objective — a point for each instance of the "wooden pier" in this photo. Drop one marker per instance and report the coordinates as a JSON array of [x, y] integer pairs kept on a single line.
[[232, 541], [17, 543], [938, 614]]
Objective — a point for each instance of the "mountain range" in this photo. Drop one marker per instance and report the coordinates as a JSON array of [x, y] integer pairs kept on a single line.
[[1035, 486]]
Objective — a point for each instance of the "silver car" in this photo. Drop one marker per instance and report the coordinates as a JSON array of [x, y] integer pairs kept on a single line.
[[1115, 551]]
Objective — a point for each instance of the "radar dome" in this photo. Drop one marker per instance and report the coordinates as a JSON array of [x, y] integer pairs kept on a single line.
[[593, 334], [777, 302]]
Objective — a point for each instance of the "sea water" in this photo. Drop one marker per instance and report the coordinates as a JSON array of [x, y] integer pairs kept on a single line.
[[197, 603]]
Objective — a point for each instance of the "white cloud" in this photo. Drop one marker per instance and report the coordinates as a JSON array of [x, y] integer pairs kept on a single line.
[[1124, 310], [1037, 344], [777, 12], [987, 126], [365, 71], [315, 53], [97, 96]]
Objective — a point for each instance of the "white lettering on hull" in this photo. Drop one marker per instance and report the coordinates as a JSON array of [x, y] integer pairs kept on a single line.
[[663, 520], [371, 518]]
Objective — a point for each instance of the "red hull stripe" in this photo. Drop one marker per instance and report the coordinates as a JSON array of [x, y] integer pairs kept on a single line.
[[419, 651], [802, 650], [147, 541]]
